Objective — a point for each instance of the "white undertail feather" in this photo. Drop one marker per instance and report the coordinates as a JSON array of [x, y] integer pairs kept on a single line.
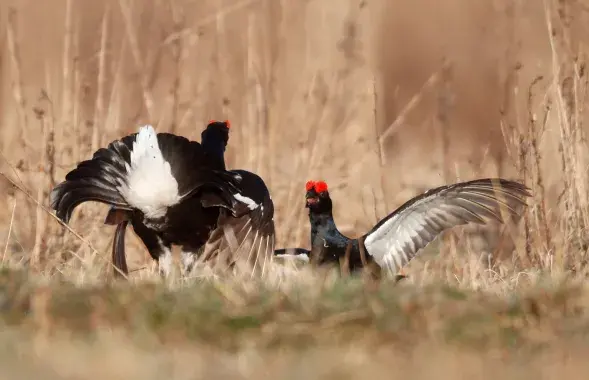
[[150, 185]]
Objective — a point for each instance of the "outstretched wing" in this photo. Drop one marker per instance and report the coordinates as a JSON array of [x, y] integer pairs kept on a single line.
[[245, 234], [396, 239]]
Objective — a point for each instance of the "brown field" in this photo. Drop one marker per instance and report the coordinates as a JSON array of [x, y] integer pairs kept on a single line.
[[382, 99]]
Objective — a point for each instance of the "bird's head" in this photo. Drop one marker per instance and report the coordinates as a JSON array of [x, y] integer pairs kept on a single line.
[[317, 197], [216, 132]]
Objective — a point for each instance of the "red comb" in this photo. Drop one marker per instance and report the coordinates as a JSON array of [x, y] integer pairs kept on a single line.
[[320, 187], [228, 124], [309, 185]]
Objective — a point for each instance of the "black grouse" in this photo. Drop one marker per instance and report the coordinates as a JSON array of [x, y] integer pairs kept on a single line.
[[250, 232], [157, 243], [172, 191], [397, 238]]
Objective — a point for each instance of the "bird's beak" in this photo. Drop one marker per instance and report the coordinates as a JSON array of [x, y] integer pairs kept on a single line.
[[311, 200]]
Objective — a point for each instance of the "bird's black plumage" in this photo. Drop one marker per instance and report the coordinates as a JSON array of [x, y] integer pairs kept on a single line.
[[101, 178], [397, 238], [120, 262], [245, 229], [155, 182], [247, 234]]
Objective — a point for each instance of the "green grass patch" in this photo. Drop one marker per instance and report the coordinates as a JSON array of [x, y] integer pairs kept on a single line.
[[231, 315]]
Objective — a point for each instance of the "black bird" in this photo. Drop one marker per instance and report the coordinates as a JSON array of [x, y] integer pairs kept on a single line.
[[157, 242], [397, 238], [172, 191], [152, 238], [248, 231]]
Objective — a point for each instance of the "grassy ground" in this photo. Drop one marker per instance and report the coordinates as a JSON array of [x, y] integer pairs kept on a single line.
[[382, 99], [342, 329]]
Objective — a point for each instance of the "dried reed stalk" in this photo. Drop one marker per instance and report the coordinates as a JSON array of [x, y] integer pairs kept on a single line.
[[17, 83]]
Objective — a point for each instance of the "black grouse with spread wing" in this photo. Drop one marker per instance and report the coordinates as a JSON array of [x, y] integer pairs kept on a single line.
[[248, 231], [397, 239]]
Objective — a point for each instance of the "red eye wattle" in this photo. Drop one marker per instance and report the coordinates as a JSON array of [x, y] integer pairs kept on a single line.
[[320, 187]]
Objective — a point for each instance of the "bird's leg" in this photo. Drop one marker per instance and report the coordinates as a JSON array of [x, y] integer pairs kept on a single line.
[[159, 249], [344, 262], [371, 271]]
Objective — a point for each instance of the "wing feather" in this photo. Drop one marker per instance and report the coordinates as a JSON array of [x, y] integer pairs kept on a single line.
[[244, 235], [396, 239]]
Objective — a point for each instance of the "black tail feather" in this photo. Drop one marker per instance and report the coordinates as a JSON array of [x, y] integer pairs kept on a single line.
[[110, 176], [68, 201], [116, 216], [118, 251], [97, 180]]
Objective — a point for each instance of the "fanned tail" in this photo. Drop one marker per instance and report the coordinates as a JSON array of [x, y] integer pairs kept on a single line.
[[96, 180]]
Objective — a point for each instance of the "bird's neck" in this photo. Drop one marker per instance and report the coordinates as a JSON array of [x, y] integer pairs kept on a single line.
[[323, 227], [215, 148]]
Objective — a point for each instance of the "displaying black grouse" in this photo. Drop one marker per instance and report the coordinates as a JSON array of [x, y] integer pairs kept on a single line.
[[248, 233], [396, 239], [156, 242], [172, 191]]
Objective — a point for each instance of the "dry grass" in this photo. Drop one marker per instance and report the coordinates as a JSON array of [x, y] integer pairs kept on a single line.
[[382, 99]]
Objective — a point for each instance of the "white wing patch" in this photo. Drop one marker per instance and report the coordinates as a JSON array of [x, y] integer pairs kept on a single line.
[[398, 240], [383, 244], [150, 185], [248, 201]]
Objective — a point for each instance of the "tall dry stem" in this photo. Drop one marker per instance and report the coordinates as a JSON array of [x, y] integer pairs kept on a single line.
[[17, 81], [99, 111]]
